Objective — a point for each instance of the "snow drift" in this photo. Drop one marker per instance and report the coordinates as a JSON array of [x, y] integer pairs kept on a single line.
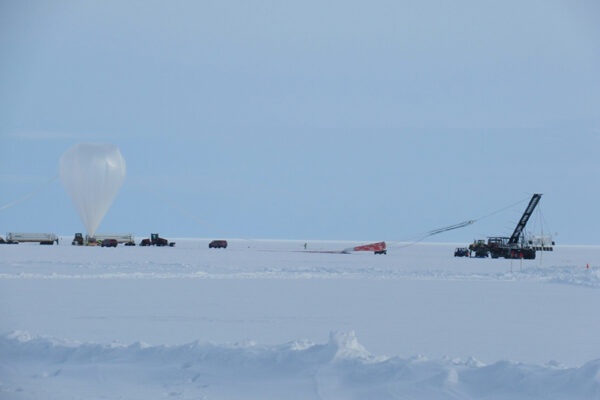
[[36, 367]]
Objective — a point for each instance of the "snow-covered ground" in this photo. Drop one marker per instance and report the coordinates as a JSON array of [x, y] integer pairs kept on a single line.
[[263, 319]]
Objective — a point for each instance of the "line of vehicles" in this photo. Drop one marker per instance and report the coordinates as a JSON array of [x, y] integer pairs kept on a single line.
[[517, 246], [102, 240], [113, 240]]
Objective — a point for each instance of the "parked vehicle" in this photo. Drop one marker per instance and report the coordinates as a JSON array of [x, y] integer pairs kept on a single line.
[[78, 239], [376, 248], [41, 238], [109, 243], [218, 244], [2, 241], [156, 240], [515, 246], [462, 252], [126, 238]]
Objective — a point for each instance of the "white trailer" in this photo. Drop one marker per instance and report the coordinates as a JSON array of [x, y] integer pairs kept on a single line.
[[41, 238], [126, 238]]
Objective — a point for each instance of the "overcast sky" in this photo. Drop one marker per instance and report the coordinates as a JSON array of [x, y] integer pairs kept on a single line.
[[308, 119]]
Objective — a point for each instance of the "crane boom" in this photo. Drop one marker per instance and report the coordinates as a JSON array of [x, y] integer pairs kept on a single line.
[[535, 199]]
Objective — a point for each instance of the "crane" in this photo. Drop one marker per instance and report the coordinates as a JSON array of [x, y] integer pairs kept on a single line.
[[509, 247]]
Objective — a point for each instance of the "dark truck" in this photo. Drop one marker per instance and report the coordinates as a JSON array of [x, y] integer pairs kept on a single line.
[[218, 244], [109, 243], [156, 240], [462, 252]]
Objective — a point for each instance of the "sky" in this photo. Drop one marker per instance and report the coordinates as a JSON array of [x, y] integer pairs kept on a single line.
[[343, 120]]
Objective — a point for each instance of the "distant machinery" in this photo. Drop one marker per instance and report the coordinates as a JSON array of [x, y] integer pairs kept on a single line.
[[41, 238], [218, 244], [156, 240], [515, 246]]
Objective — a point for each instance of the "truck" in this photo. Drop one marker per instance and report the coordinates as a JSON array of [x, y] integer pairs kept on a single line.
[[126, 238], [156, 240], [462, 252], [41, 238], [515, 246], [376, 248], [218, 244], [2, 241], [78, 239], [109, 243]]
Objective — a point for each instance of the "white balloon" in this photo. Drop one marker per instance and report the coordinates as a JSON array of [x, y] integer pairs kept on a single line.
[[92, 174]]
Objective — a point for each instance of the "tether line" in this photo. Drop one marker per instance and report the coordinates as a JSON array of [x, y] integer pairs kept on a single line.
[[28, 195]]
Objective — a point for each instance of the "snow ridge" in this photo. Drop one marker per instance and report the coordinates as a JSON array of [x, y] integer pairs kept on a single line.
[[339, 369], [560, 275]]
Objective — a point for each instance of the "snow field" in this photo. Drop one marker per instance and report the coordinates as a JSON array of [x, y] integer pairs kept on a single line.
[[75, 320]]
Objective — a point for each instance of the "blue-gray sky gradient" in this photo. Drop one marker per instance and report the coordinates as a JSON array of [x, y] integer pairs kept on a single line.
[[328, 120]]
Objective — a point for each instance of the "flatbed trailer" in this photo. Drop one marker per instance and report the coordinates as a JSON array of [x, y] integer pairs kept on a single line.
[[127, 238], [27, 237]]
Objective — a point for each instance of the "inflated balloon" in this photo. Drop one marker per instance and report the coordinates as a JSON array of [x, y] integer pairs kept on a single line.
[[92, 174]]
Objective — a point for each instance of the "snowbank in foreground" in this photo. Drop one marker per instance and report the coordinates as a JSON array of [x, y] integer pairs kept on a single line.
[[35, 368]]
